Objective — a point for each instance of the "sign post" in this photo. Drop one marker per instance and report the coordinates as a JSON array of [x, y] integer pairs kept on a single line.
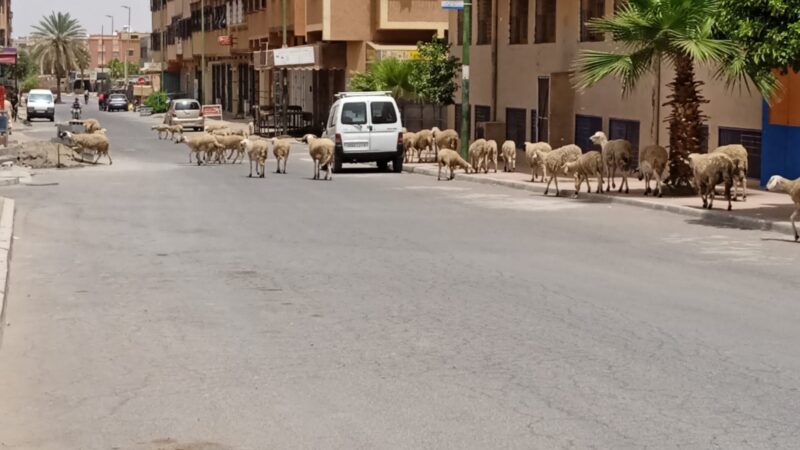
[[467, 18]]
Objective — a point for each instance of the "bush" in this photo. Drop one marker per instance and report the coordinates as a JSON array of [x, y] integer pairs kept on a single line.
[[157, 101], [30, 82]]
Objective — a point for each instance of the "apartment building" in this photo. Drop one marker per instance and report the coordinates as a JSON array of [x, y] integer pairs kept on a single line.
[[107, 47], [522, 53], [5, 23], [329, 39]]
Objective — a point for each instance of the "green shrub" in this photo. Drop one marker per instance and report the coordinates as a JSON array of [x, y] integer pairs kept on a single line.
[[157, 101], [30, 82]]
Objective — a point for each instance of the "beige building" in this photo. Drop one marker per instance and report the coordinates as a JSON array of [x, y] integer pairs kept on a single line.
[[530, 93], [105, 48], [330, 40], [5, 23]]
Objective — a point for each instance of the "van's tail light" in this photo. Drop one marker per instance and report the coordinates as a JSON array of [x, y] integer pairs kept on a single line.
[[338, 139], [399, 138]]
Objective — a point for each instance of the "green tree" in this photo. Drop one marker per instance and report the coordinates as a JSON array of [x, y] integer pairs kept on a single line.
[[59, 37], [116, 69], [25, 66], [434, 75], [83, 59], [388, 74], [767, 30], [681, 33], [157, 101]]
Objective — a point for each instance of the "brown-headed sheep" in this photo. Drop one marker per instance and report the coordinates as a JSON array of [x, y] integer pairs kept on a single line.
[[617, 155], [589, 164], [738, 154], [534, 152], [710, 170], [451, 159], [555, 160], [653, 165]]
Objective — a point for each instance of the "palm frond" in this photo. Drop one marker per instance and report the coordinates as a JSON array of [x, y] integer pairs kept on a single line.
[[593, 66]]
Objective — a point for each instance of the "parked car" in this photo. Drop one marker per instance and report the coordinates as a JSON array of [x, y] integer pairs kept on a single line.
[[117, 102], [366, 127], [185, 112], [41, 103]]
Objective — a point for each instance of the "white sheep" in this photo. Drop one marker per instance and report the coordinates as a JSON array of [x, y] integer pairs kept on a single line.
[[617, 155], [791, 187], [221, 132], [477, 150], [162, 129], [322, 152], [203, 144], [409, 140], [555, 160], [91, 125], [653, 165], [281, 149], [509, 156], [228, 142], [490, 155], [533, 150], [446, 138], [257, 151], [422, 142], [738, 154], [215, 126], [251, 128], [709, 170], [96, 141], [451, 159], [587, 165]]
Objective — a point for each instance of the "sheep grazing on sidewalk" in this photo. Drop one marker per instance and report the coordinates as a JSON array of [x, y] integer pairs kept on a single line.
[[555, 160], [509, 156], [617, 155], [203, 144], [490, 155], [409, 140], [452, 160], [257, 151], [534, 152], [738, 154], [710, 170], [91, 125], [791, 187], [281, 149], [477, 150], [653, 165], [446, 139], [321, 151], [423, 142], [98, 142], [589, 164]]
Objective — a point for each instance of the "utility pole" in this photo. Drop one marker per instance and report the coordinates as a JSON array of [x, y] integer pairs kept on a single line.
[[202, 50], [126, 48], [102, 49], [112, 34], [467, 40], [284, 75]]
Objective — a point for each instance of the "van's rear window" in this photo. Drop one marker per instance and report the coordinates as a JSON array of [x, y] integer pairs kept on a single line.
[[354, 113], [383, 112]]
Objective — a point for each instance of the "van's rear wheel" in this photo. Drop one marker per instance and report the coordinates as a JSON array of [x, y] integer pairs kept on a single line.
[[337, 162], [383, 166], [397, 164]]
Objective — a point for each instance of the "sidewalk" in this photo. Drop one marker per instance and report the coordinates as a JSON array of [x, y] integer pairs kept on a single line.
[[763, 210]]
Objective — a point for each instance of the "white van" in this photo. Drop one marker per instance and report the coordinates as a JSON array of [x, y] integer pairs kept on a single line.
[[41, 104], [366, 127]]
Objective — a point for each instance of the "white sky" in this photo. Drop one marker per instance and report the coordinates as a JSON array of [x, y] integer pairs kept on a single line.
[[90, 13]]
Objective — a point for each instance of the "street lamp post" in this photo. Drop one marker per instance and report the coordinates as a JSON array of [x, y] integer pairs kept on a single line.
[[467, 38], [202, 49], [112, 34], [125, 49]]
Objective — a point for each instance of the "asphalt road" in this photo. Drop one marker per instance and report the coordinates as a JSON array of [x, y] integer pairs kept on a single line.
[[160, 305]]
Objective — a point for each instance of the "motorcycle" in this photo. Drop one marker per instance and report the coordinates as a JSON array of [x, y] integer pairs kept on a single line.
[[76, 114]]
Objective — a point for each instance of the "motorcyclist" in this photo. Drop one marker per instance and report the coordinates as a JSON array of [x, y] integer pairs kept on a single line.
[[86, 97], [76, 105]]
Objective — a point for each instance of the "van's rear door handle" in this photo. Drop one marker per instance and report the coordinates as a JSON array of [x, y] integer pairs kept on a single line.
[[369, 127]]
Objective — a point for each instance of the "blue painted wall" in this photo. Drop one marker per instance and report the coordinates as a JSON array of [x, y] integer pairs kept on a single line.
[[780, 149]]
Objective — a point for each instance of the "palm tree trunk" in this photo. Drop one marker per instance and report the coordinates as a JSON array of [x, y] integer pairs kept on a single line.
[[58, 89], [685, 121]]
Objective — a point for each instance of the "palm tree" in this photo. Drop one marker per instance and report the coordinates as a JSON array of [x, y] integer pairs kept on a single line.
[[681, 33], [83, 59], [59, 38], [388, 74]]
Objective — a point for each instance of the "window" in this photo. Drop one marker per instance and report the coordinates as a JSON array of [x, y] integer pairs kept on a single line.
[[515, 126], [750, 139], [534, 125], [545, 31], [543, 120], [591, 9], [628, 130], [518, 20], [186, 106], [354, 113], [585, 127], [130, 53], [484, 10], [383, 113], [482, 114], [460, 28]]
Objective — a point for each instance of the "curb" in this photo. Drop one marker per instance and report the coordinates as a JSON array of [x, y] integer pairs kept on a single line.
[[6, 238], [9, 181], [717, 217]]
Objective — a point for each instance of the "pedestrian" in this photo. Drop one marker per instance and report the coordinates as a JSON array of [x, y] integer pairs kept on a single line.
[[101, 99], [14, 105]]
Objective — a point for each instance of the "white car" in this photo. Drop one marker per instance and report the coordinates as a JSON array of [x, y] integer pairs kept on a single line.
[[366, 127], [41, 103]]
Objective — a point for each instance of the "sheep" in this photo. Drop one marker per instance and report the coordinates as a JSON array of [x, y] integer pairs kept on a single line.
[[587, 165], [97, 142], [476, 154], [738, 154], [221, 132], [451, 159], [257, 151], [653, 164], [161, 129], [321, 151], [281, 149], [409, 140], [91, 125], [534, 153], [229, 142], [490, 155], [446, 138], [617, 155], [710, 170], [423, 142], [509, 156], [555, 160], [251, 128], [204, 143], [215, 126], [791, 187]]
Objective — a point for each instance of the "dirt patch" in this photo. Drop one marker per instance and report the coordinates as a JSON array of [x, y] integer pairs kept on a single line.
[[41, 154]]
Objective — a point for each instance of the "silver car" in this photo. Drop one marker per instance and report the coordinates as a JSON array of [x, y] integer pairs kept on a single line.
[[185, 112]]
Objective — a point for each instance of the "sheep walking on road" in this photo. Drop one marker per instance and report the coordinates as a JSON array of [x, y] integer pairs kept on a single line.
[[534, 152], [554, 163], [230, 143], [322, 153], [451, 159], [509, 156], [204, 144], [738, 154], [617, 155], [257, 151], [589, 164], [710, 170], [281, 149], [98, 142], [791, 187], [653, 165]]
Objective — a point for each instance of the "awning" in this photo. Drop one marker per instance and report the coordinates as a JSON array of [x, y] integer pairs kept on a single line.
[[8, 55], [377, 51], [322, 55]]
